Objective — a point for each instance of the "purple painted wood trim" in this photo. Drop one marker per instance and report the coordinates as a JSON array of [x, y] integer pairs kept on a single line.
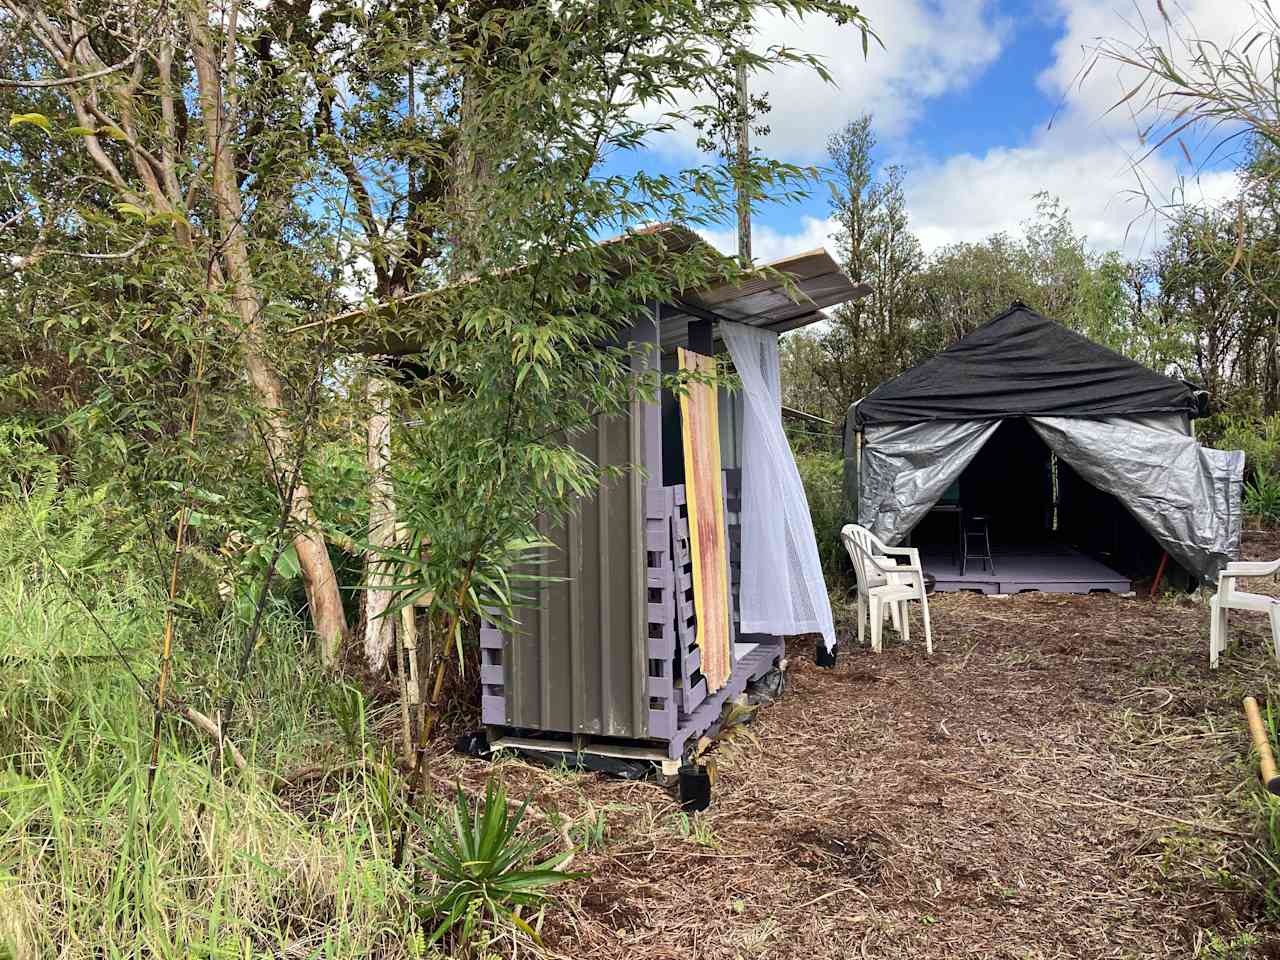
[[660, 649], [706, 717], [493, 699], [693, 688]]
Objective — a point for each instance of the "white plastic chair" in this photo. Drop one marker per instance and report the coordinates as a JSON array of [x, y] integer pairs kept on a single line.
[[884, 584], [1229, 598]]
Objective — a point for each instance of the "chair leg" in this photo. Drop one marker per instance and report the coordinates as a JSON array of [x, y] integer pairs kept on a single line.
[[928, 631], [1215, 631], [904, 615], [895, 614], [862, 618], [1223, 626], [877, 624], [1275, 629], [964, 552], [991, 559]]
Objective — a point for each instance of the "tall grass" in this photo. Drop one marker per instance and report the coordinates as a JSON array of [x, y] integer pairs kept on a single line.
[[205, 864], [103, 855]]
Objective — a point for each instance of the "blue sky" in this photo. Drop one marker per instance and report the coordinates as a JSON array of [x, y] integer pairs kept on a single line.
[[963, 94]]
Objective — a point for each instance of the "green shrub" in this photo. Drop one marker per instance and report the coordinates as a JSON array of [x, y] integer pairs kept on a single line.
[[103, 858], [823, 478], [1259, 438], [1262, 495]]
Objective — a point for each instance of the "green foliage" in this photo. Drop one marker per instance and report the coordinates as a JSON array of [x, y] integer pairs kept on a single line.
[[1262, 495], [593, 831], [696, 828], [384, 152], [823, 476], [1258, 437], [347, 707], [486, 869]]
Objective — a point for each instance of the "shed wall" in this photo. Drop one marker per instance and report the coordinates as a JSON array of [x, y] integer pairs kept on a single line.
[[578, 662]]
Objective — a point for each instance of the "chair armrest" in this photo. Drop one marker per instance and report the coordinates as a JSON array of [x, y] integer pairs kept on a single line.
[[898, 551], [911, 553], [882, 567], [1247, 568]]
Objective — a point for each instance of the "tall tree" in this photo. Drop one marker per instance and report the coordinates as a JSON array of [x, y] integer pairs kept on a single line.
[[871, 338], [158, 106], [244, 169]]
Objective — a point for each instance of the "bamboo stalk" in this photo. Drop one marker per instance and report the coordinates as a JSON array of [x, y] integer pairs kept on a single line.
[[166, 645], [1262, 744], [417, 694]]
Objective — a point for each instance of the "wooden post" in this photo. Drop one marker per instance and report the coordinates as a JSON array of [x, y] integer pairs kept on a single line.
[[1262, 744], [1155, 584]]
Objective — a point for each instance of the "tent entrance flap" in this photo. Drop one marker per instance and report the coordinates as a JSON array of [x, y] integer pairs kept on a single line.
[[1032, 523], [906, 468], [1185, 495]]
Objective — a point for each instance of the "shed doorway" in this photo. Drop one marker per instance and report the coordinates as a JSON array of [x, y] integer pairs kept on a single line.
[[1044, 526]]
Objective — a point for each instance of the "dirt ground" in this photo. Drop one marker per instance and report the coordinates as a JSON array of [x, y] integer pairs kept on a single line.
[[1064, 777]]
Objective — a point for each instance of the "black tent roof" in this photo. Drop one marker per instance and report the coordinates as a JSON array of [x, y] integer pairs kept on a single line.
[[1022, 364]]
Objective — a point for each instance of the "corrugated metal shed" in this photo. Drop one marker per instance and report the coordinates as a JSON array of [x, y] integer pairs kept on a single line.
[[607, 658]]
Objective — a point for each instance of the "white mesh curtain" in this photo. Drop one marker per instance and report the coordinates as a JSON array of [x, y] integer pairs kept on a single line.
[[782, 590]]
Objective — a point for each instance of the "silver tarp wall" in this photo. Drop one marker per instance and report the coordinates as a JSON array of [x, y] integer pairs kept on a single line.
[[1185, 495]]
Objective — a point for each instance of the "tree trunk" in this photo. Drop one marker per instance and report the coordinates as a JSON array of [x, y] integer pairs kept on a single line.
[[323, 596], [379, 631]]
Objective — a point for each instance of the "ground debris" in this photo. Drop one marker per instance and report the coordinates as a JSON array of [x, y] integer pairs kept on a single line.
[[1063, 778]]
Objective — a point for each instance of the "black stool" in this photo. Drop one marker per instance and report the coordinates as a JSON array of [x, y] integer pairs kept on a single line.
[[977, 532]]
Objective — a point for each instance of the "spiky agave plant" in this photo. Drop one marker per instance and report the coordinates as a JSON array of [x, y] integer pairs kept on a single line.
[[485, 867]]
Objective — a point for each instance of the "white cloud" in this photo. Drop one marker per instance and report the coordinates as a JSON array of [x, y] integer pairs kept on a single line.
[[970, 197], [1090, 86], [931, 47], [1086, 157]]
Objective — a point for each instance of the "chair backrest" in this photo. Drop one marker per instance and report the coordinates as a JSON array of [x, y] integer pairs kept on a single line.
[[858, 542], [866, 539]]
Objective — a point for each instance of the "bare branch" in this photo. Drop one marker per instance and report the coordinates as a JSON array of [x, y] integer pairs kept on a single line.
[[78, 78], [121, 255]]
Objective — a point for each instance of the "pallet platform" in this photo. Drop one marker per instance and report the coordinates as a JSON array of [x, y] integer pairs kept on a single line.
[[1047, 568]]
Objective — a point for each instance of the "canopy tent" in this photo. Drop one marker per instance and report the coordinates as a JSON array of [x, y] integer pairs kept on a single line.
[[1120, 426]]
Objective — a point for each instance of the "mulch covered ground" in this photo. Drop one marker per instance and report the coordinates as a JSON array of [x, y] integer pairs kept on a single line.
[[1064, 777]]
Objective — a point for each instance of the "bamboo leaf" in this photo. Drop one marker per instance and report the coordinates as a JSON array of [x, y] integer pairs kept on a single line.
[[35, 119]]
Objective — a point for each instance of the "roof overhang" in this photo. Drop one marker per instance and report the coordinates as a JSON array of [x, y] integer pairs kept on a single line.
[[779, 296]]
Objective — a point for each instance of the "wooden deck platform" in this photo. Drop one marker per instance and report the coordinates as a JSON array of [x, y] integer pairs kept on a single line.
[[1048, 568]]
